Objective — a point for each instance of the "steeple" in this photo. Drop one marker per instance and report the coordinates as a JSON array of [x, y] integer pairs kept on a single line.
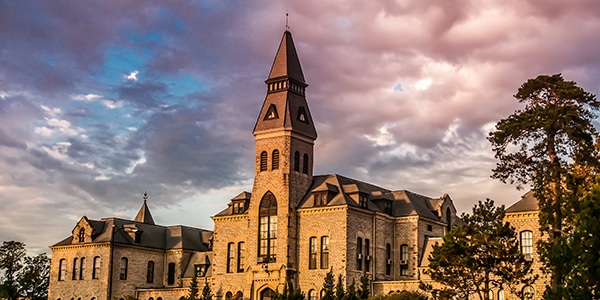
[[285, 107], [144, 215]]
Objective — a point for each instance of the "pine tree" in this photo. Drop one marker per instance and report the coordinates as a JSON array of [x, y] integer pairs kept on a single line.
[[339, 288], [206, 291], [328, 286], [364, 291]]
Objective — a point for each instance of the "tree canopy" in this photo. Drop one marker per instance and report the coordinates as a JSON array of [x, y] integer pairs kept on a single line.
[[24, 276], [550, 145], [480, 254]]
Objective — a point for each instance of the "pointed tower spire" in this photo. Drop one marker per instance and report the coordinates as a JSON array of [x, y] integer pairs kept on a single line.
[[285, 107], [144, 215]]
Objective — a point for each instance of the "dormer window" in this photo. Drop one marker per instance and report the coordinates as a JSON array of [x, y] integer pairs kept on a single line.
[[238, 207], [320, 198], [272, 113], [387, 207], [362, 200], [302, 115]]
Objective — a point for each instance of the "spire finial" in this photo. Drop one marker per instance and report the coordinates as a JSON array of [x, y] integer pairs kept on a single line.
[[145, 196], [287, 27]]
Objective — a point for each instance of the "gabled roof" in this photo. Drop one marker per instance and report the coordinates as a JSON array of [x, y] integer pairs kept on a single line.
[[528, 202], [144, 215]]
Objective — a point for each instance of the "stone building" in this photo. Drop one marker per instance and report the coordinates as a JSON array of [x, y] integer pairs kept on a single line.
[[288, 232]]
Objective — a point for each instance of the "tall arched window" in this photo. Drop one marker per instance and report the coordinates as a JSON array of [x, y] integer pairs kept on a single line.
[[150, 272], [81, 268], [96, 268], [62, 267], [263, 161], [448, 219], [404, 260], [81, 235], [267, 294], [305, 164], [275, 160], [171, 274], [123, 268], [297, 161], [241, 261], [74, 275], [230, 257], [267, 238], [312, 295], [312, 255], [324, 252]]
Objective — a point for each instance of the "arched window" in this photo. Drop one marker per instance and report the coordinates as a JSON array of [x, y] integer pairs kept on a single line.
[[500, 294], [267, 238], [62, 267], [267, 294], [159, 298], [241, 261], [388, 259], [324, 252], [150, 272], [96, 268], [81, 235], [297, 161], [275, 160], [359, 253], [367, 255], [74, 274], [123, 268], [81, 267], [527, 243], [305, 164], [448, 219], [312, 255], [171, 274], [150, 298], [239, 295], [404, 260], [230, 257], [528, 292], [263, 161], [312, 295], [228, 296], [491, 294]]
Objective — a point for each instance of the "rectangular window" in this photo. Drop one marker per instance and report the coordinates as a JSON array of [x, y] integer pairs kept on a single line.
[[123, 268], [388, 259], [150, 272], [367, 255], [96, 270], [404, 260], [241, 257], [324, 252], [171, 274], [359, 254], [312, 256], [74, 275], [81, 268], [527, 242], [320, 198], [230, 257]]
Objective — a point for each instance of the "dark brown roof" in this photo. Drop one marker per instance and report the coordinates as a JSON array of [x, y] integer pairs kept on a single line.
[[144, 215], [286, 63], [528, 202]]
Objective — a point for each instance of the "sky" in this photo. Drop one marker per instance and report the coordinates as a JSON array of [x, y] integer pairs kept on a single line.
[[101, 101]]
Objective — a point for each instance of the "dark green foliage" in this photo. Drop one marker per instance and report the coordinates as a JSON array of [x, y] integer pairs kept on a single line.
[[402, 295], [193, 291], [339, 288], [206, 291], [364, 290], [480, 254], [351, 292], [328, 286], [11, 262], [34, 277], [549, 145], [289, 293]]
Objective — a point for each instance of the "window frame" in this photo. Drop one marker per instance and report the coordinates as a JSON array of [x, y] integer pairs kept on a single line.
[[150, 272], [241, 257], [275, 160], [230, 257], [359, 253], [324, 261], [123, 268], [526, 242], [263, 161], [81, 267], [96, 267], [171, 273], [267, 228], [62, 269], [312, 253], [404, 257]]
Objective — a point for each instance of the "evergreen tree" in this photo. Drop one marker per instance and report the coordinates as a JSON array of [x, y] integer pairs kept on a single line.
[[193, 291], [206, 291], [481, 253], [351, 292], [339, 288], [364, 291], [328, 286], [545, 145], [34, 277]]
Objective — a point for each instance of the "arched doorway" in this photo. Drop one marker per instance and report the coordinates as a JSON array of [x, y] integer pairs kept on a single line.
[[267, 294]]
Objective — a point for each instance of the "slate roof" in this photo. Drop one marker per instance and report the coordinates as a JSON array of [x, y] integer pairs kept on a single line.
[[144, 215], [528, 202]]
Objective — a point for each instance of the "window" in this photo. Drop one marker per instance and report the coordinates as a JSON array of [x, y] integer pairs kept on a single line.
[[228, 296], [267, 294], [271, 113], [275, 160], [81, 235], [62, 267], [297, 161], [241, 262], [320, 198], [305, 163], [362, 200], [429, 227], [302, 115], [359, 254], [239, 295], [388, 259], [367, 255], [238, 207], [96, 270], [312, 255], [448, 219], [324, 252], [500, 294], [528, 292], [527, 243], [230, 257], [171, 274], [267, 228], [263, 161], [200, 270], [312, 295], [404, 260], [491, 295], [150, 272], [387, 207], [81, 267], [123, 268], [74, 275]]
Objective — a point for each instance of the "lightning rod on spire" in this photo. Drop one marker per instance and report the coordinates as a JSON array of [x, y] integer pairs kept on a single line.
[[287, 27]]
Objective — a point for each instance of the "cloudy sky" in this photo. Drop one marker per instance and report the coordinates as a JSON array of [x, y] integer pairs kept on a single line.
[[101, 101]]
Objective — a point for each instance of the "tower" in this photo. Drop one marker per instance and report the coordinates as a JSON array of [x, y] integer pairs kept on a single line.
[[285, 136]]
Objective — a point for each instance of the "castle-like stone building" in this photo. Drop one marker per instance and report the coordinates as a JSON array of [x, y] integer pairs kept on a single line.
[[290, 230]]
